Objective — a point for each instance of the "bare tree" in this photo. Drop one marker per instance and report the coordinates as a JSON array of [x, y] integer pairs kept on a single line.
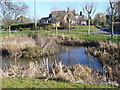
[[100, 19], [113, 11], [35, 14], [68, 22], [68, 19], [56, 18], [10, 11], [89, 9]]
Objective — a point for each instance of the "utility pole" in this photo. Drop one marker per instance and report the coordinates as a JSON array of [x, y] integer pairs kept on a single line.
[[35, 14]]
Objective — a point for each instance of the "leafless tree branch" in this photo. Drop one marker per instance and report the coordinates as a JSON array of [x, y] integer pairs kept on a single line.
[[89, 9], [9, 11]]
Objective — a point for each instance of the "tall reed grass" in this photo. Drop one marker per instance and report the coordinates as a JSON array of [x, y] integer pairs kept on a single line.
[[57, 71], [27, 46]]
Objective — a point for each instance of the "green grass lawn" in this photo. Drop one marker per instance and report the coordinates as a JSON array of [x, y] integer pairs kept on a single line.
[[83, 29], [5, 33], [80, 29], [101, 26], [81, 32], [40, 83], [83, 35]]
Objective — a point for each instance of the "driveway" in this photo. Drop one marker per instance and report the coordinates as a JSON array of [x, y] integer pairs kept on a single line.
[[104, 31]]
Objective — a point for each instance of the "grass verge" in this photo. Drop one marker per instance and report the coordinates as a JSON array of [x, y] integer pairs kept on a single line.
[[81, 32], [40, 83], [84, 35]]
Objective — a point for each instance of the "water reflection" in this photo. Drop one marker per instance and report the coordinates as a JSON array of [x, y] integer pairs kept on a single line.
[[77, 55], [68, 55]]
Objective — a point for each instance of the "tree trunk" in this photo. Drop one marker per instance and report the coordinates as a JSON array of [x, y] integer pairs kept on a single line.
[[35, 25], [9, 29], [112, 26], [88, 25], [56, 28], [112, 32], [69, 27]]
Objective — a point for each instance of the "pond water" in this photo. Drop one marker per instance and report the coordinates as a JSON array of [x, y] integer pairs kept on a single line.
[[68, 55], [76, 55]]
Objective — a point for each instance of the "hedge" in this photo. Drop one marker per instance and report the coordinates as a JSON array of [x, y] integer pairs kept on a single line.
[[43, 24], [22, 26], [117, 26], [27, 26]]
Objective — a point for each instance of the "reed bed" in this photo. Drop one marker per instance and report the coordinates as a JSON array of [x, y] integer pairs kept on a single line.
[[27, 46], [108, 54], [57, 71]]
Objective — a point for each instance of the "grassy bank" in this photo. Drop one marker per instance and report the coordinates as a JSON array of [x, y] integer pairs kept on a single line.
[[27, 32], [81, 32], [83, 35], [73, 33], [40, 83]]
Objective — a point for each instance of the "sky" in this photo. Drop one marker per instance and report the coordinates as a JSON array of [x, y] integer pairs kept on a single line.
[[44, 7]]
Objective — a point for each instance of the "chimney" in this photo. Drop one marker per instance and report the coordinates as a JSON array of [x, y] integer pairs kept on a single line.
[[80, 13], [68, 10]]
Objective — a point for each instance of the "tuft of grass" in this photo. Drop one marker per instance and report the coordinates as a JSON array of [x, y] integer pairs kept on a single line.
[[20, 82]]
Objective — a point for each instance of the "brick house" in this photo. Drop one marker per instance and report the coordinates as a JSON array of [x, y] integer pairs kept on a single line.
[[58, 17], [23, 19]]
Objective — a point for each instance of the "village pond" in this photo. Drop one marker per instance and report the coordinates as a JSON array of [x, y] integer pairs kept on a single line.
[[69, 55]]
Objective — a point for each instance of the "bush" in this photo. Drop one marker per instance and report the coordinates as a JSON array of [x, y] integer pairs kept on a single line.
[[65, 25], [43, 24], [117, 26], [22, 26], [59, 28], [46, 26], [74, 27], [3, 27]]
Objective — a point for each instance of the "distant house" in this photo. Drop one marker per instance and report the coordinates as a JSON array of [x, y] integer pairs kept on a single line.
[[23, 19], [83, 22], [44, 20], [58, 17], [82, 19]]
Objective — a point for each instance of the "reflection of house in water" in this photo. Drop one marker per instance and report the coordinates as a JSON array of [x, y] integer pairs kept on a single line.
[[62, 17]]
